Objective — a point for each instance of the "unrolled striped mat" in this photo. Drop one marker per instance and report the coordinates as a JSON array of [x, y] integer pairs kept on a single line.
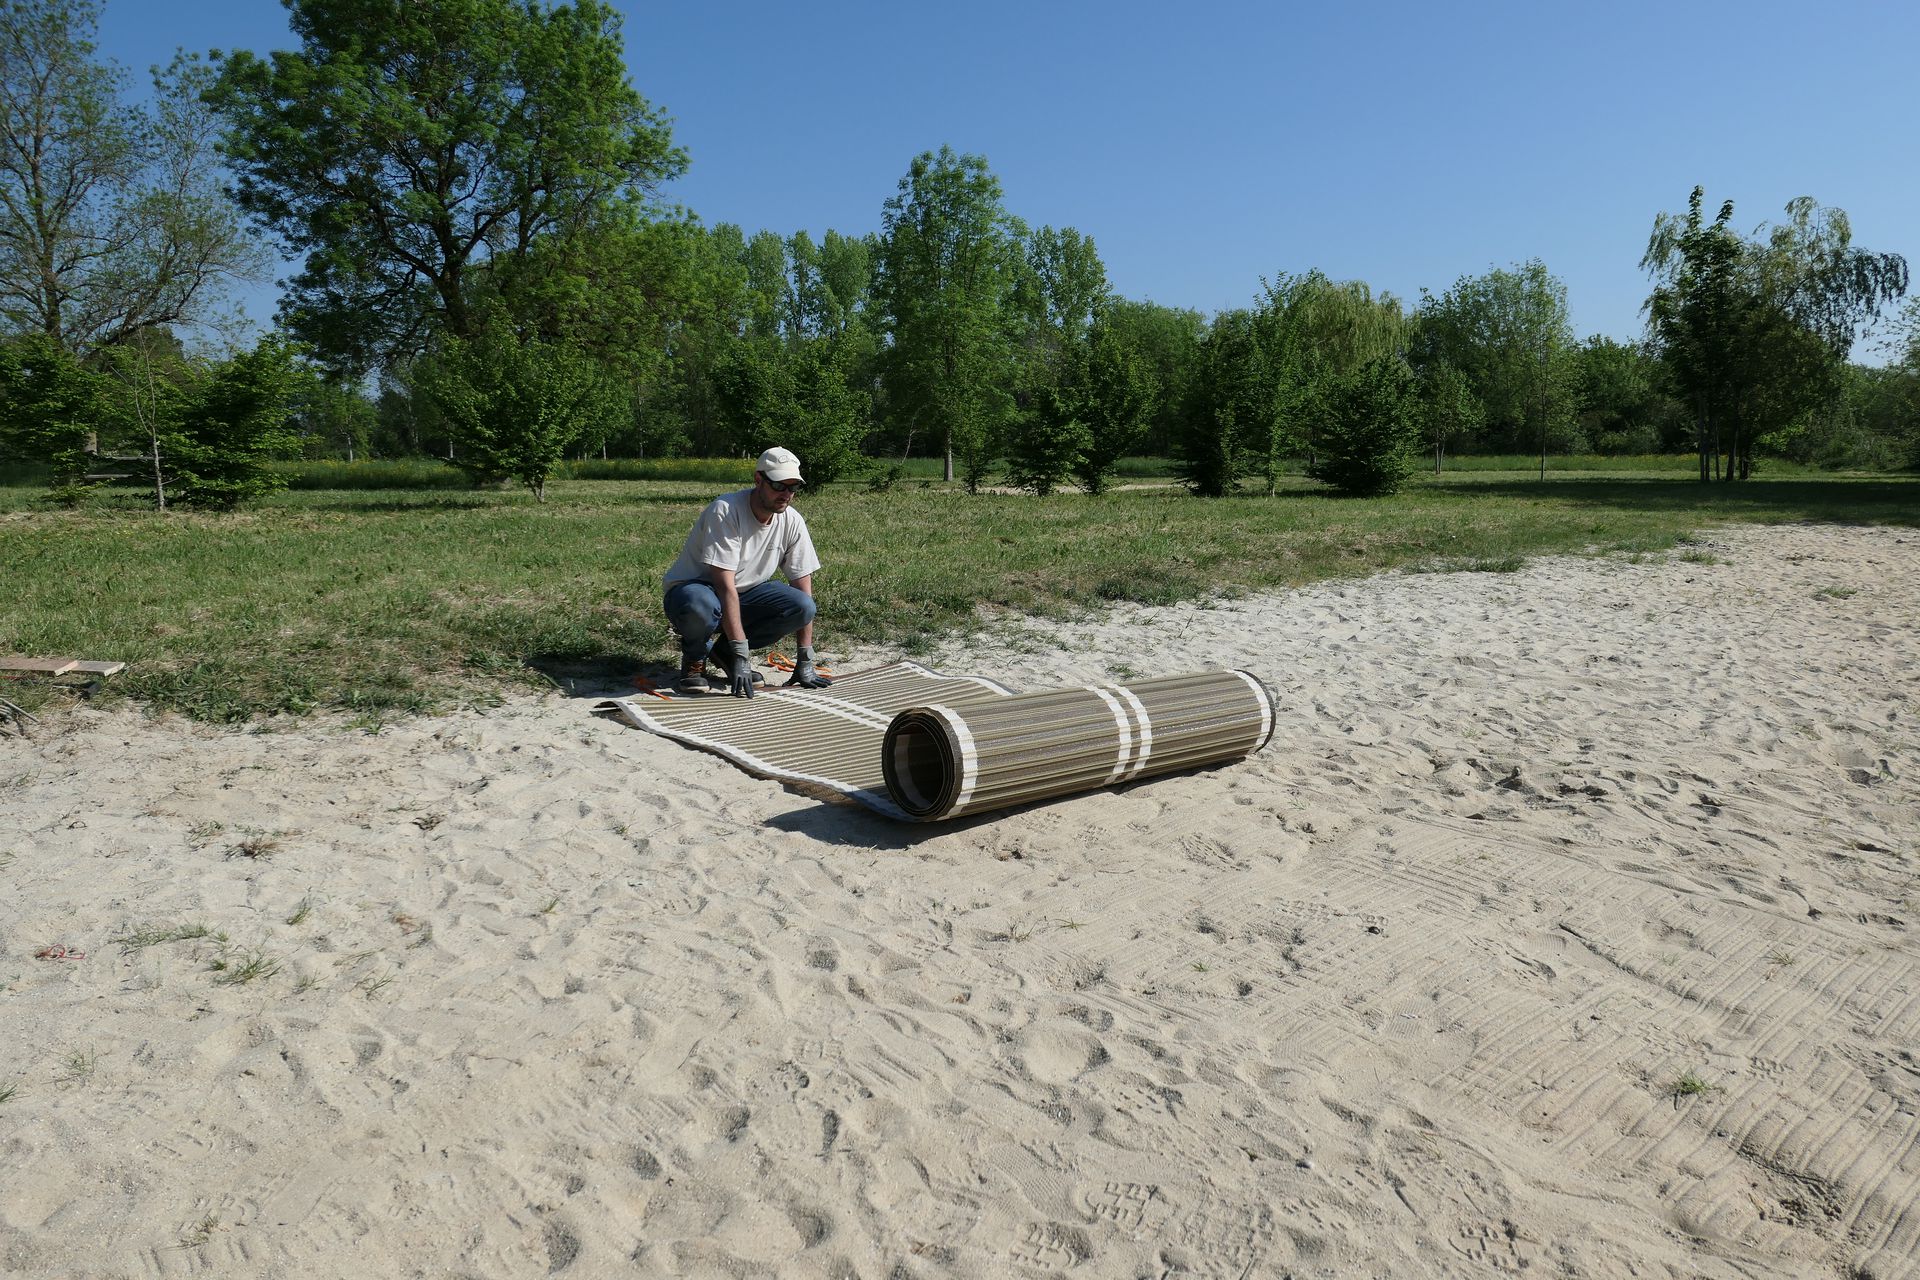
[[914, 744]]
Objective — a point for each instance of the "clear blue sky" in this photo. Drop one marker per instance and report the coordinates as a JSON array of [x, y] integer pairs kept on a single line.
[[1207, 145]]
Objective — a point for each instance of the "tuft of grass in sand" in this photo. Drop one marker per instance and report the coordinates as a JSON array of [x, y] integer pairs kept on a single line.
[[238, 968], [258, 845], [1691, 1085], [9, 1091], [77, 1065], [152, 935], [1835, 593], [301, 910], [200, 1232], [1018, 929], [373, 984]]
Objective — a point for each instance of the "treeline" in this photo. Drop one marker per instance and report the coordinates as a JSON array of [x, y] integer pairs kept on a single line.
[[490, 275]]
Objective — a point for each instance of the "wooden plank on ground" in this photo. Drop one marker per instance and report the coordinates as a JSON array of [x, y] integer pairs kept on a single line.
[[39, 666], [100, 668]]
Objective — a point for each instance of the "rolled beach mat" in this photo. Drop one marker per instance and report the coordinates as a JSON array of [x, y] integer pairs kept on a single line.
[[943, 761]]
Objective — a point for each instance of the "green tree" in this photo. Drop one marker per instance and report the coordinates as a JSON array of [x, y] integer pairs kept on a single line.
[[800, 395], [1227, 428], [1447, 407], [1371, 436], [1316, 331], [1118, 394], [1618, 396], [514, 406], [843, 282], [329, 419], [1756, 333], [949, 262], [403, 148], [51, 406], [1166, 342], [1049, 440], [112, 221], [1883, 414], [210, 429], [1065, 285], [1508, 332]]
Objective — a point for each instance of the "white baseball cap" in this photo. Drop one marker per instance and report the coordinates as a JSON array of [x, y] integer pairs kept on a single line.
[[779, 464]]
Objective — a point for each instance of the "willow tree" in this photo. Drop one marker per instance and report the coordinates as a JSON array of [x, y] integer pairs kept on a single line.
[[1757, 332], [1315, 332]]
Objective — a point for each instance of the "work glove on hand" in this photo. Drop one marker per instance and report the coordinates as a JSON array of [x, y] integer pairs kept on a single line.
[[803, 673], [733, 659]]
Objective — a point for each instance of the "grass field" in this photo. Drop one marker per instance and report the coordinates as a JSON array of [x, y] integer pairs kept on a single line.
[[393, 600]]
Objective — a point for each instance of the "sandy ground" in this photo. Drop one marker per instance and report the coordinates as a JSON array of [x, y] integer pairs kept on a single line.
[[1566, 927]]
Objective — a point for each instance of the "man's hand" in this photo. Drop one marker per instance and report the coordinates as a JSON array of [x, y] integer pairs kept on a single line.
[[733, 659], [804, 674]]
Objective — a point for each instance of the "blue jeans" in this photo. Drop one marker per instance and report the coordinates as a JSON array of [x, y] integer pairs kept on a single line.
[[768, 612]]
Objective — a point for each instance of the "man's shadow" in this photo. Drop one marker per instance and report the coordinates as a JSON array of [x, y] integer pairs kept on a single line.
[[614, 675]]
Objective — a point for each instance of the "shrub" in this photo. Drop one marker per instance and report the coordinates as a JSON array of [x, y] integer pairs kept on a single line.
[[1369, 439], [1047, 443], [515, 407]]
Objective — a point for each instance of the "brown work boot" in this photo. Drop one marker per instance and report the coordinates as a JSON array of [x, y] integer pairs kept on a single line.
[[693, 676]]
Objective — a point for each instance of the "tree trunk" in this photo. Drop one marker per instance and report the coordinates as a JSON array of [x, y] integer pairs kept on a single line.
[[159, 476]]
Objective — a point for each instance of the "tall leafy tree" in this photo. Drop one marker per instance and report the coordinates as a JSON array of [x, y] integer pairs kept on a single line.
[[948, 267], [1509, 333], [1695, 314], [1447, 407], [1227, 429], [1617, 389], [1118, 391], [407, 144], [1166, 341], [1065, 283], [843, 282], [1316, 331], [112, 220], [1757, 333]]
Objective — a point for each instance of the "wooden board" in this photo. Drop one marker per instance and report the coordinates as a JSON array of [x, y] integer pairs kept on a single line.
[[39, 666], [100, 668]]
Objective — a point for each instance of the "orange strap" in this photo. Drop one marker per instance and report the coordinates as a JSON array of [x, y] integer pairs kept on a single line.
[[781, 662]]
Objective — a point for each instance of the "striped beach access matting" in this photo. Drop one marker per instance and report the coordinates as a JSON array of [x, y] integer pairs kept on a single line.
[[914, 744]]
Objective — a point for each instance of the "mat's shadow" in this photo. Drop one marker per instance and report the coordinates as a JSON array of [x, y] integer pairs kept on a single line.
[[852, 825]]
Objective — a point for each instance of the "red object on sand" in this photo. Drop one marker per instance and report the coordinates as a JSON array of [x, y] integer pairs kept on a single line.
[[59, 952]]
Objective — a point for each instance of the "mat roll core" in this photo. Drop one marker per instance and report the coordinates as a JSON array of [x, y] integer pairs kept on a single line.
[[941, 761]]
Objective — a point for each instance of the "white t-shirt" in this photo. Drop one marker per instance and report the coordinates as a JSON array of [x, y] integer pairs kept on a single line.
[[728, 536]]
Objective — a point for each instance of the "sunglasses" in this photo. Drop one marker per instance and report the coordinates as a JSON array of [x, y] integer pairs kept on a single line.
[[784, 486]]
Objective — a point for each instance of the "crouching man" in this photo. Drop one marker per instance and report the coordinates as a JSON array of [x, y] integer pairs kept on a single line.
[[722, 599]]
